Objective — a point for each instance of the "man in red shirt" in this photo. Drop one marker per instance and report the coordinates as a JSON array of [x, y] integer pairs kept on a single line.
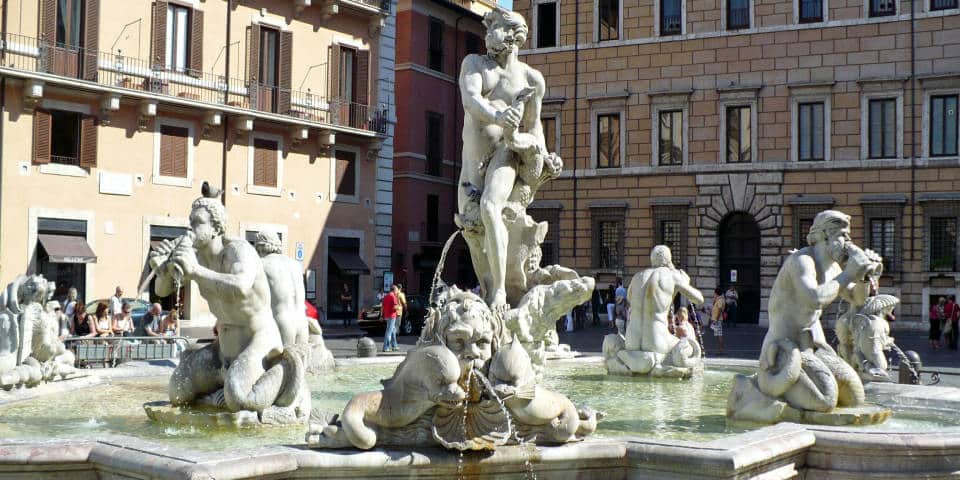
[[388, 312], [951, 313]]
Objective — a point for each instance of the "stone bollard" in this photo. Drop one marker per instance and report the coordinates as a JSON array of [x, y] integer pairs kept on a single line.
[[366, 347], [907, 376]]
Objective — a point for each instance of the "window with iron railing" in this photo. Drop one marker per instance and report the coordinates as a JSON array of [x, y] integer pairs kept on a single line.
[[942, 4], [811, 11], [883, 240], [943, 125], [738, 14], [943, 244], [65, 137], [883, 8], [671, 17], [608, 251]]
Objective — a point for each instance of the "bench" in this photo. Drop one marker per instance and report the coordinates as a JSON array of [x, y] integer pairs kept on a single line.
[[111, 351]]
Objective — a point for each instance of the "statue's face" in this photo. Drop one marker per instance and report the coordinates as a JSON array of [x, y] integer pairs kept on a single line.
[[500, 39], [202, 227], [471, 340], [837, 240], [262, 249]]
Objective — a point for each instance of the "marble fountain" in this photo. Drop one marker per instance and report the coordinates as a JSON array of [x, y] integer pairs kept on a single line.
[[479, 396]]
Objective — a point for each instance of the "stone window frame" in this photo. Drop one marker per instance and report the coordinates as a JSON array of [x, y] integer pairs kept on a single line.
[[603, 212], [550, 213], [596, 22], [555, 115], [865, 99], [885, 206], [334, 197], [58, 168], [258, 189], [187, 181], [811, 94], [657, 19], [825, 13], [669, 101], [738, 97], [594, 114], [534, 23], [806, 207], [946, 207], [896, 9], [751, 7], [951, 88], [664, 210], [943, 11]]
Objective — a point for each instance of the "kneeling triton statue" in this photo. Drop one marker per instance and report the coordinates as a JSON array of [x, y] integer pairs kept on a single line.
[[801, 378]]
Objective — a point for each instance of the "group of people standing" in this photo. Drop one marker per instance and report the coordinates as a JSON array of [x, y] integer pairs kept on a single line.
[[391, 311], [113, 318], [944, 317]]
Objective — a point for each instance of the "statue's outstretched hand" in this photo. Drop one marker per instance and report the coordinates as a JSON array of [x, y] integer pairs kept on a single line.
[[509, 118], [184, 257], [858, 263]]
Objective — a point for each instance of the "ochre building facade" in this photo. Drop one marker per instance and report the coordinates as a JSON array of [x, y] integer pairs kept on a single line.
[[721, 127]]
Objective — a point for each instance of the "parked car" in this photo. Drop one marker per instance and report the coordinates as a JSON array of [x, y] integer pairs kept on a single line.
[[413, 317]]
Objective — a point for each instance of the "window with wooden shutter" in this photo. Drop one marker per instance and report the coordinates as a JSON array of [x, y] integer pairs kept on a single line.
[[284, 73], [265, 162], [196, 42], [91, 36], [158, 48], [362, 95], [41, 136], [173, 151], [253, 63], [88, 142], [346, 180]]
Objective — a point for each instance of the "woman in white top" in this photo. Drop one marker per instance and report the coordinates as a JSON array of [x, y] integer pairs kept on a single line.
[[123, 323]]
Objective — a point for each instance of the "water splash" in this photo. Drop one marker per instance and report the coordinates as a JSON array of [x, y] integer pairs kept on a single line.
[[439, 271], [94, 422], [466, 403]]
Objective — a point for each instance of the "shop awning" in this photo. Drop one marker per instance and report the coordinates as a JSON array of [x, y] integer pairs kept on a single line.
[[67, 249], [349, 262]]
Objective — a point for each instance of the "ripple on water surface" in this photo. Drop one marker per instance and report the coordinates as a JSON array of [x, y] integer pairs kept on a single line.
[[690, 409]]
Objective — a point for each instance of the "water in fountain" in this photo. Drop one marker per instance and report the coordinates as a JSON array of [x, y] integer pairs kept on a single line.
[[466, 403], [525, 444]]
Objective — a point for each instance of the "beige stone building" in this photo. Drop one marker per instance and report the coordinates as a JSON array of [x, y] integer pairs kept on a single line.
[[115, 112], [720, 127]]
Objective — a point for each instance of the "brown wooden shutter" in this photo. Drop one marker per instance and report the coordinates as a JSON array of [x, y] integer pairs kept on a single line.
[[158, 48], [91, 39], [180, 146], [286, 64], [88, 142], [42, 125], [253, 64], [166, 153], [362, 94], [333, 66], [196, 42], [48, 32], [173, 151], [265, 162]]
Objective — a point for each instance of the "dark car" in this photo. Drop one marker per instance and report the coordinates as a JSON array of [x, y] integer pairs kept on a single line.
[[413, 317]]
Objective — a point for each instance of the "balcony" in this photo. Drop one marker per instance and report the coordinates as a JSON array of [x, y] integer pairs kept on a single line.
[[120, 74]]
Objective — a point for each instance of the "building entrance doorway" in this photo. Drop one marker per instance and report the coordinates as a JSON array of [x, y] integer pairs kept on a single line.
[[739, 240]]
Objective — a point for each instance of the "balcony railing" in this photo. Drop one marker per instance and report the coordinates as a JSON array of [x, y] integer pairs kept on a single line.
[[130, 73]]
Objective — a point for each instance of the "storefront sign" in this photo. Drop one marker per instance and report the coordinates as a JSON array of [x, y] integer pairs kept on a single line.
[[387, 280]]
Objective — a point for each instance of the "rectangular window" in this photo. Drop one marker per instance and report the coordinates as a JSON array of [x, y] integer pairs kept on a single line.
[[346, 172], [65, 137], [173, 151], [671, 137], [671, 17], [434, 144], [883, 8], [883, 240], [269, 55], [670, 236], [472, 43], [546, 24], [810, 133], [433, 218], [69, 23], [608, 141], [811, 11], [942, 4], [609, 19], [348, 66], [178, 38], [883, 128], [435, 45], [610, 245], [943, 244], [943, 125], [265, 162], [738, 14], [549, 125], [738, 134]]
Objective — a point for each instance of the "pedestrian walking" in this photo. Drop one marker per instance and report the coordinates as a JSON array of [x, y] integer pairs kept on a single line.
[[388, 312], [951, 313], [346, 304], [716, 316], [731, 299], [937, 312], [611, 302]]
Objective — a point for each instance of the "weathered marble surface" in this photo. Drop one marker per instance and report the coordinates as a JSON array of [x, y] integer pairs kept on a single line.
[[648, 346], [864, 338], [798, 369], [30, 348], [248, 367]]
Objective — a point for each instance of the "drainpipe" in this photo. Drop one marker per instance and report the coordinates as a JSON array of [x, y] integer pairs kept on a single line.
[[913, 129], [226, 119], [576, 117], [3, 107]]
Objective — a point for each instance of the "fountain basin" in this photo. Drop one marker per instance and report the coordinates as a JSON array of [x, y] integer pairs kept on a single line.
[[672, 439]]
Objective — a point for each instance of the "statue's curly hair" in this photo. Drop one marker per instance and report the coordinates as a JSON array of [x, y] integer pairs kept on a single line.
[[270, 240], [825, 222], [218, 214], [511, 20], [453, 305]]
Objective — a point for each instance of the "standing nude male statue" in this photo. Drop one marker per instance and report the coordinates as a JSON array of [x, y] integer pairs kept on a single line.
[[246, 367], [501, 96]]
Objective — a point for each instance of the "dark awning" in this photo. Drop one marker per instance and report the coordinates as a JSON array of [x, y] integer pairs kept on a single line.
[[349, 262], [67, 249]]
